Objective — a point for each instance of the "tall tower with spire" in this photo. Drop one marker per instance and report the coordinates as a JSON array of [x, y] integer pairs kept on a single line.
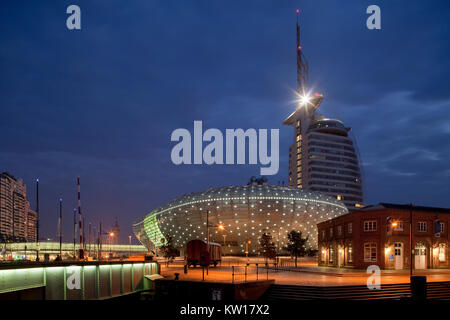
[[322, 157]]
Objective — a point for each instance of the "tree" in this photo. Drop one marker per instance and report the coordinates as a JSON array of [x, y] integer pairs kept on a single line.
[[267, 246], [296, 244], [168, 249]]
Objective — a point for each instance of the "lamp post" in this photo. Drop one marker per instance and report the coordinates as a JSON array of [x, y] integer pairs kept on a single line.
[[111, 235], [89, 241], [411, 240], [246, 248], [207, 230], [60, 228], [74, 232], [129, 253]]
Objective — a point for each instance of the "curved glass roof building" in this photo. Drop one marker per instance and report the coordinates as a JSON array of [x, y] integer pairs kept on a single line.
[[246, 212]]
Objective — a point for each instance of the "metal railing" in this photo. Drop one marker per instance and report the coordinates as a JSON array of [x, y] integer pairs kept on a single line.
[[249, 273]]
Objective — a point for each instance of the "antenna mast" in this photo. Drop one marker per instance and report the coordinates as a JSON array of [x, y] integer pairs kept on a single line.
[[302, 64]]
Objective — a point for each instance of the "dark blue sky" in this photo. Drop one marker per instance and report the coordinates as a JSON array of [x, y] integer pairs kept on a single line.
[[102, 102]]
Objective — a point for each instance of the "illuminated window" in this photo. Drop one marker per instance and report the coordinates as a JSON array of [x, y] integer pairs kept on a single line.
[[442, 252], [350, 227], [398, 226], [370, 225], [350, 253], [370, 252], [323, 255], [422, 226]]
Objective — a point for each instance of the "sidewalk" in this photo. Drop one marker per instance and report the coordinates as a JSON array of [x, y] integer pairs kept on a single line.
[[351, 272]]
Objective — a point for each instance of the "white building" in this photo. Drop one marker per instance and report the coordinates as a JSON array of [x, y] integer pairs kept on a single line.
[[14, 210], [323, 157]]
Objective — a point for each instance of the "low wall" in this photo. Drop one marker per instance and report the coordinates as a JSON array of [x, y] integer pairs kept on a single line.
[[74, 281], [208, 291]]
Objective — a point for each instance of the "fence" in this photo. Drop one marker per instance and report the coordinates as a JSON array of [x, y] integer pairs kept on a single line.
[[249, 273]]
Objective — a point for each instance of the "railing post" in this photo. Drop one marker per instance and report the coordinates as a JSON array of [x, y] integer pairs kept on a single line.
[[121, 280], [97, 280], [83, 294], [65, 283], [245, 274], [110, 281], [232, 274], [132, 277]]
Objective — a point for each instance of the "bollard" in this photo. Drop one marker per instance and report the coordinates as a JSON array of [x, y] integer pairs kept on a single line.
[[185, 268], [267, 270], [418, 287], [203, 273], [177, 276]]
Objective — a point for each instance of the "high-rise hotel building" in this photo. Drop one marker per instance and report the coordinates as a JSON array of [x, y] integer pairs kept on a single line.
[[322, 157], [17, 221]]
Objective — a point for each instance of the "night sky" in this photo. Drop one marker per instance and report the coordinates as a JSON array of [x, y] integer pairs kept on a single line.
[[102, 102]]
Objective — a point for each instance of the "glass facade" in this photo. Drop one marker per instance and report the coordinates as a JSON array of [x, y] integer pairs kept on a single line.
[[245, 212]]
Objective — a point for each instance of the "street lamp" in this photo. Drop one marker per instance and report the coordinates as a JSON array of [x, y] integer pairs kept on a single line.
[[246, 248], [410, 240], [219, 226], [111, 235], [129, 253], [394, 224]]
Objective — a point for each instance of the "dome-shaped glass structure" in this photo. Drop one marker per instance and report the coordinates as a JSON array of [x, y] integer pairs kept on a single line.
[[245, 212]]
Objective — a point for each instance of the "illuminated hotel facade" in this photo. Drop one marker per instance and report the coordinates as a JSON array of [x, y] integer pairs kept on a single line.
[[323, 156], [245, 212], [17, 221]]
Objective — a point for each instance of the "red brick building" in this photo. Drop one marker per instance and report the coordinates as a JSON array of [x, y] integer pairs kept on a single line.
[[379, 235]]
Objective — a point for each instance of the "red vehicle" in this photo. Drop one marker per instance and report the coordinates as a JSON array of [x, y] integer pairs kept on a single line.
[[197, 253]]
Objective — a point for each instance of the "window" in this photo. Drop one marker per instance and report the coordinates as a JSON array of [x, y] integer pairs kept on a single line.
[[323, 255], [350, 253], [339, 230], [442, 252], [323, 234], [399, 226], [370, 225], [442, 227], [370, 252], [331, 257], [422, 226], [350, 227], [331, 232]]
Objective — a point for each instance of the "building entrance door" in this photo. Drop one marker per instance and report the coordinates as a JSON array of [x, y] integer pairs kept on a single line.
[[398, 255], [340, 256], [420, 255]]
